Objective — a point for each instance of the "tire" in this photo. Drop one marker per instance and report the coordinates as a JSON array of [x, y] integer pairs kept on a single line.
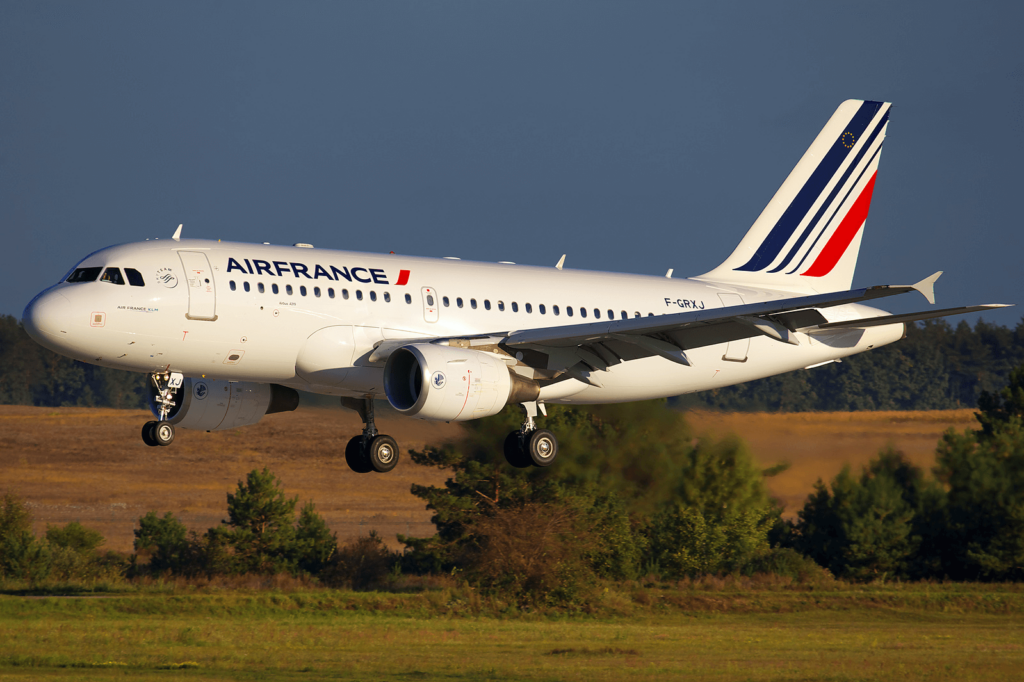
[[542, 447], [382, 454], [163, 433], [514, 454], [147, 434], [355, 458]]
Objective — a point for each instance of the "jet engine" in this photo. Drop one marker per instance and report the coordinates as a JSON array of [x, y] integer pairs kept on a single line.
[[451, 384], [208, 405]]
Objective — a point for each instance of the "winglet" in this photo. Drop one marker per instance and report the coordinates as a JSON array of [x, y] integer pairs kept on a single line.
[[561, 262], [927, 287], [177, 234]]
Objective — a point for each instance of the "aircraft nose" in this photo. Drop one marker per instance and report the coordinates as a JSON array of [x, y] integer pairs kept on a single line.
[[46, 317]]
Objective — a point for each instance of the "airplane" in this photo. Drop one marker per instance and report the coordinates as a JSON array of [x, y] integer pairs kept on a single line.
[[228, 332]]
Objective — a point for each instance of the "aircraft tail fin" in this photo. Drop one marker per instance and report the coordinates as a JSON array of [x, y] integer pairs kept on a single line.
[[808, 236]]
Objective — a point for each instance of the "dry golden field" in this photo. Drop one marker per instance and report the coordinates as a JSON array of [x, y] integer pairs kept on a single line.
[[818, 444], [90, 465]]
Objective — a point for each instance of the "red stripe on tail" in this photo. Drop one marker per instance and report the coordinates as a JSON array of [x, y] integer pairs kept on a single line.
[[844, 234]]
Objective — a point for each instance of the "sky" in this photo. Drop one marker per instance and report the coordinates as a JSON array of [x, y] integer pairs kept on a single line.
[[632, 136]]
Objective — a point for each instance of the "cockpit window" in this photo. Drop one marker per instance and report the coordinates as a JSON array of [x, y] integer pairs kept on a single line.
[[134, 277], [84, 275], [112, 275]]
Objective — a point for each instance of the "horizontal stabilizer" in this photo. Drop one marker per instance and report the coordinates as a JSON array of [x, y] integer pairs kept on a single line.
[[906, 317]]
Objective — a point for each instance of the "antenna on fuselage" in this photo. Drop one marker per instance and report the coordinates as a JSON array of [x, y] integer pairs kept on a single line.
[[177, 234], [561, 262]]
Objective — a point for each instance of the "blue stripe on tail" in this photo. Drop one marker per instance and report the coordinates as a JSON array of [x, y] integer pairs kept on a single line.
[[835, 191], [815, 185]]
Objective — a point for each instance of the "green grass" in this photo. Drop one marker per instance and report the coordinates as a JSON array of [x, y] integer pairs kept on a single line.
[[732, 632]]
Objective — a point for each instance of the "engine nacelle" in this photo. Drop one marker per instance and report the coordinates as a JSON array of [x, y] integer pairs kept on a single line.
[[208, 405], [451, 384]]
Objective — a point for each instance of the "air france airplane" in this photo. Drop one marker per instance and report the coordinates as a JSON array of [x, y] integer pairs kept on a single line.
[[228, 331]]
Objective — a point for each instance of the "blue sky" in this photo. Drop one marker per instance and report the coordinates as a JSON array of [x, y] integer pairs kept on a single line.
[[634, 136]]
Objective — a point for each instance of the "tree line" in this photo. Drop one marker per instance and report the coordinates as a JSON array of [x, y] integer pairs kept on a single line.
[[938, 366], [636, 494]]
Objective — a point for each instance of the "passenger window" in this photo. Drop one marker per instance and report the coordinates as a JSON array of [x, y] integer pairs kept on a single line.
[[529, 308], [611, 314], [387, 297], [636, 314], [444, 300], [501, 306], [231, 285], [330, 293], [487, 304], [275, 289], [359, 294], [597, 314], [408, 299], [583, 312], [344, 294], [112, 275], [542, 309], [650, 314], [458, 302], [302, 290], [373, 295], [472, 303], [84, 275], [430, 301], [568, 310], [316, 291], [288, 289], [554, 309], [515, 307], [624, 315], [134, 277], [260, 288], [245, 285]]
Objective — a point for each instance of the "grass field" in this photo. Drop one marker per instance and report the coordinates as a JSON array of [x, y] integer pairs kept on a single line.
[[874, 633], [90, 465]]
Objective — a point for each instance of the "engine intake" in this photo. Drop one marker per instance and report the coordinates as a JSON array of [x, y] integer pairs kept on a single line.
[[208, 405], [451, 384]]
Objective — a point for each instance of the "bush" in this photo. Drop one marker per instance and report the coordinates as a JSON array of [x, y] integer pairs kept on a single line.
[[688, 542], [787, 563], [362, 564]]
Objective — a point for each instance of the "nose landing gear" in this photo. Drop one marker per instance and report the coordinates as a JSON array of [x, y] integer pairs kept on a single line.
[[166, 385], [370, 451], [530, 446]]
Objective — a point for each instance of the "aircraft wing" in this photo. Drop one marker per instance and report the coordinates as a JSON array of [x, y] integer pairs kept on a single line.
[[599, 345]]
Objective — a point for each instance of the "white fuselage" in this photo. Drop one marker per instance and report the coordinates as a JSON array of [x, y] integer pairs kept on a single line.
[[236, 327]]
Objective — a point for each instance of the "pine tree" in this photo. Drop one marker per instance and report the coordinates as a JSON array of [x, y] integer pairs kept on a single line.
[[261, 524]]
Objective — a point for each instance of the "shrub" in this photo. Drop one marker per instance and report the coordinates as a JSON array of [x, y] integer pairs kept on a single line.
[[362, 564]]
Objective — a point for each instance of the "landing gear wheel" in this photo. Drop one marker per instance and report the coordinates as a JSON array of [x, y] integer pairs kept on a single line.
[[541, 447], [357, 461], [514, 454], [147, 434], [163, 433], [382, 454]]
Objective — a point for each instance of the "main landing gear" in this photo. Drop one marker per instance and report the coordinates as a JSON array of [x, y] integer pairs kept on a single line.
[[166, 385], [530, 446], [371, 451]]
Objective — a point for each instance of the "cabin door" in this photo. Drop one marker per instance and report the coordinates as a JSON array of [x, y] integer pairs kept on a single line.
[[202, 298], [735, 351]]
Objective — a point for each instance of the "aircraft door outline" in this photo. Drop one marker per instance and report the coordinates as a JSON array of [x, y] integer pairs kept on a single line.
[[735, 351], [202, 295]]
